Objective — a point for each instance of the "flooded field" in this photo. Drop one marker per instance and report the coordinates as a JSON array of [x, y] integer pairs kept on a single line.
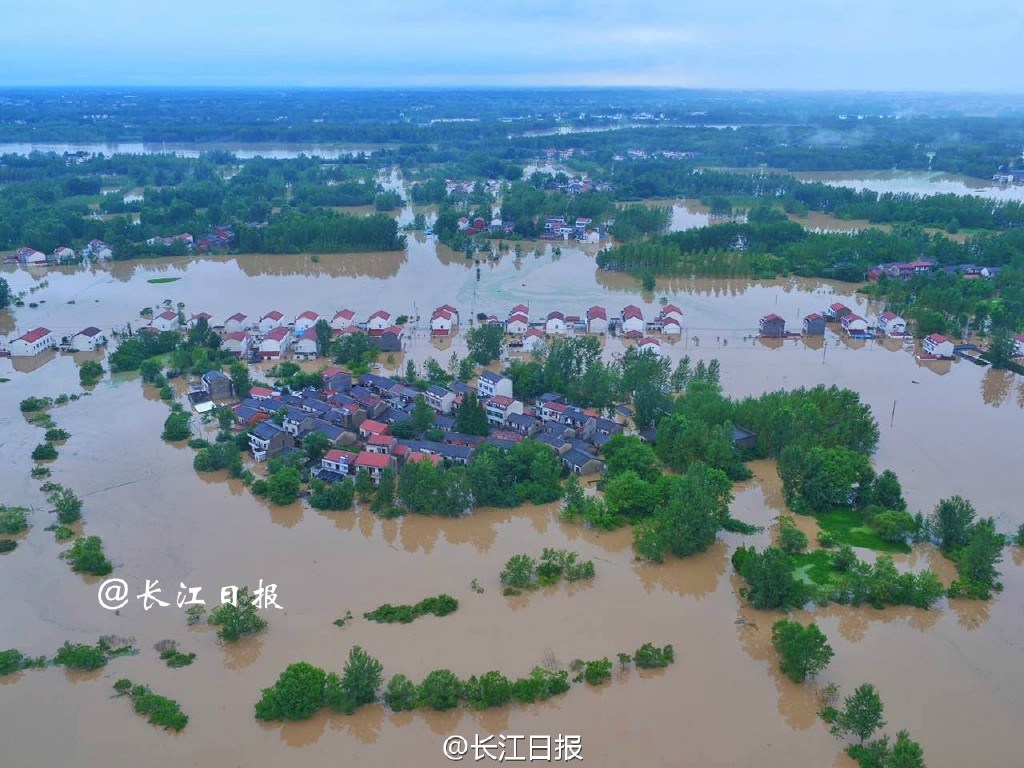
[[915, 182], [951, 676]]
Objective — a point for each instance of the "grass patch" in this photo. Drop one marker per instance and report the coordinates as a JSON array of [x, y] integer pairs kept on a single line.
[[847, 526], [813, 567], [441, 605], [161, 280]]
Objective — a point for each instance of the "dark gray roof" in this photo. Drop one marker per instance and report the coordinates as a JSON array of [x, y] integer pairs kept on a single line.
[[576, 458], [554, 442], [438, 391], [333, 432], [444, 422], [459, 387], [521, 420], [391, 415], [329, 476], [503, 444], [491, 376], [265, 430], [245, 414], [608, 425], [458, 437], [296, 414], [456, 451], [215, 375]]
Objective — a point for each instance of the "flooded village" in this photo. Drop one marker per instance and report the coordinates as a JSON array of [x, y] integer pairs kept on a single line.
[[402, 372], [160, 519]]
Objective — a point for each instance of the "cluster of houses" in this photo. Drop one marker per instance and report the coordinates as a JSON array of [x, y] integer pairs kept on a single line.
[[62, 254], [581, 230], [356, 417], [272, 336], [629, 323], [40, 339], [887, 324], [167, 242]]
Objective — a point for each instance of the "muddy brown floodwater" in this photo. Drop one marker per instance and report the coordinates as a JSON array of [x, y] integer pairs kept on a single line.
[[952, 676]]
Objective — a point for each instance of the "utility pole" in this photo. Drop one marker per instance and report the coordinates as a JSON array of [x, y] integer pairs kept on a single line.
[[892, 419]]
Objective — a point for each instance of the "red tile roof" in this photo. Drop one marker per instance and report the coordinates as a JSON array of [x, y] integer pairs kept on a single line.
[[936, 338], [272, 315], [555, 315], [310, 315], [813, 316], [236, 335], [380, 440], [433, 458], [772, 316], [237, 316], [90, 331], [596, 311], [648, 340], [502, 401], [838, 306], [373, 427], [348, 314], [373, 460], [34, 335], [261, 392], [168, 315], [277, 334], [632, 311], [381, 314], [337, 456], [534, 333]]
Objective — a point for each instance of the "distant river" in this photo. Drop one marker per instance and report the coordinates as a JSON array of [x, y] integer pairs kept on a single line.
[[242, 151]]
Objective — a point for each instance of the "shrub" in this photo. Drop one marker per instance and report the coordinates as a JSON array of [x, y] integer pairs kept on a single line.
[[6, 545], [81, 656], [791, 538], [176, 659], [440, 690], [44, 452], [159, 709], [35, 404], [401, 694], [442, 605], [238, 619], [491, 689], [650, 656], [593, 672], [13, 519], [358, 685], [10, 661], [54, 435], [804, 650], [176, 427], [519, 572], [86, 556], [90, 373], [40, 472], [297, 694]]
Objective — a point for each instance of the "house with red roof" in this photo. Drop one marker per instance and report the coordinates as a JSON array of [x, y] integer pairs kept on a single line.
[[374, 463], [649, 344], [192, 321], [306, 320], [369, 427], [379, 320], [534, 337], [166, 321], [32, 343], [30, 256], [381, 444], [670, 326], [854, 323], [261, 393], [772, 326], [88, 340], [235, 323], [671, 311], [237, 343], [632, 319], [937, 345], [837, 311], [442, 321], [555, 323], [597, 320], [813, 325], [275, 343], [433, 458], [892, 324], [338, 461], [517, 324], [387, 339], [273, 319], [500, 407], [306, 346], [342, 319]]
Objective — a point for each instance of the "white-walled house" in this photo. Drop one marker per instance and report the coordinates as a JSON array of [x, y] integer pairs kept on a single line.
[[854, 323], [32, 343], [632, 319], [490, 384], [597, 320], [518, 324], [533, 338], [273, 319], [451, 310], [892, 324], [938, 346], [648, 344], [671, 310], [235, 323], [1018, 344], [441, 320], [30, 256], [555, 323], [342, 319], [62, 254], [379, 320], [306, 320], [275, 343], [670, 327], [237, 342], [166, 321], [88, 340], [305, 345]]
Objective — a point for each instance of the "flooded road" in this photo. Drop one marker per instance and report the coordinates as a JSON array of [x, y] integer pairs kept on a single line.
[[951, 676]]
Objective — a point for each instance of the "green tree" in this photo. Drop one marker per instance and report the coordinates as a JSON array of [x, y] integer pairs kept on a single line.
[[237, 619], [905, 753], [626, 452], [364, 485], [977, 561], [177, 427], [384, 498], [1001, 350], [240, 378], [297, 694], [471, 418], [332, 496], [485, 343], [886, 491], [769, 577], [90, 373], [324, 336], [791, 538], [401, 694], [629, 495], [951, 522], [519, 572], [861, 715], [804, 650], [422, 415], [283, 486], [5, 293], [86, 556], [359, 684], [440, 690], [315, 445], [149, 370]]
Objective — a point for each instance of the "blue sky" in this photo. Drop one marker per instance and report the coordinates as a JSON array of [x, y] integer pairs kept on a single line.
[[787, 44]]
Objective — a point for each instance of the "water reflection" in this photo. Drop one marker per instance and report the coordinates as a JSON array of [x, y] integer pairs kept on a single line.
[[996, 386]]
